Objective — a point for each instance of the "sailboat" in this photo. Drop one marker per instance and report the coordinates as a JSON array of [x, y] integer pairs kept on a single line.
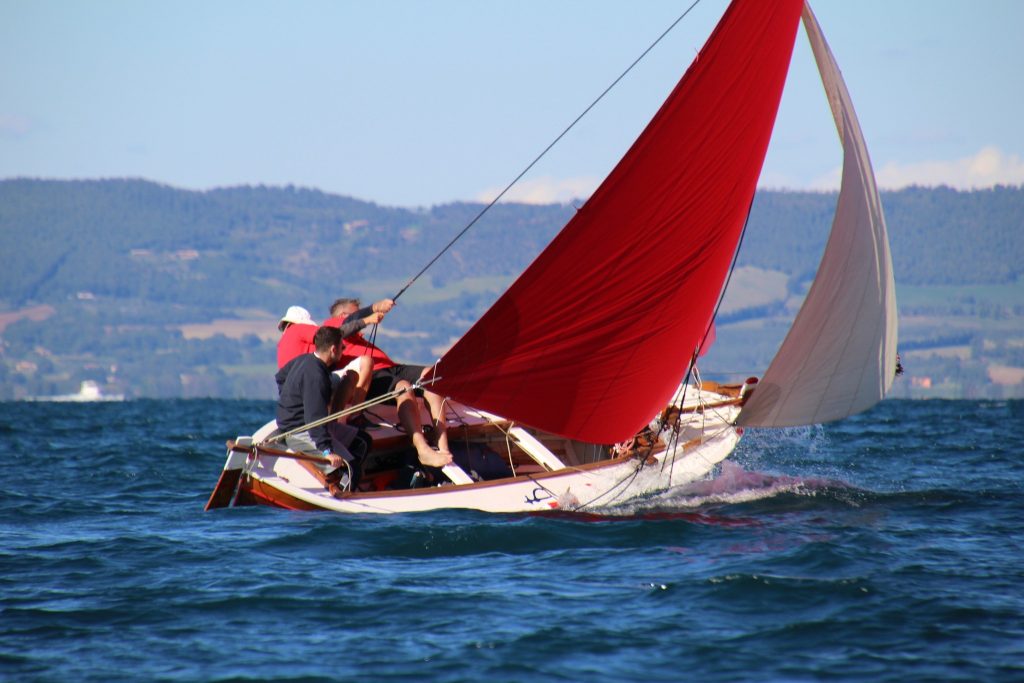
[[595, 402]]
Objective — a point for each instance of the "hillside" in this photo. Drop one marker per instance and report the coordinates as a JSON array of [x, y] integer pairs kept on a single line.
[[156, 291]]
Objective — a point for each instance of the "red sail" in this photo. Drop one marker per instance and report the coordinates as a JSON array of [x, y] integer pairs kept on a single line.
[[593, 339]]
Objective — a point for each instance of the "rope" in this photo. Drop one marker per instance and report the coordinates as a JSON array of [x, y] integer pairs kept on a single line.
[[628, 479], [348, 470], [368, 350], [543, 153], [725, 288], [383, 398]]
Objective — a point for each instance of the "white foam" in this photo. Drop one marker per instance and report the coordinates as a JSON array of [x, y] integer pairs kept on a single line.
[[733, 485]]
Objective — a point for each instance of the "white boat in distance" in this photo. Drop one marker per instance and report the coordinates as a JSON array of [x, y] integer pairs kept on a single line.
[[594, 410], [88, 392]]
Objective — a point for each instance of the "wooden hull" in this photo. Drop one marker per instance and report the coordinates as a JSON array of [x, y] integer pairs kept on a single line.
[[705, 438]]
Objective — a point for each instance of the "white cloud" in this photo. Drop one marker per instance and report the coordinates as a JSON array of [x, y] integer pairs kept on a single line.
[[989, 167], [544, 191], [773, 179], [828, 182]]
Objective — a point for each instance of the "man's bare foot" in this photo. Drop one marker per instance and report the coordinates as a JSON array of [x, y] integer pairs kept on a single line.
[[432, 458], [427, 455]]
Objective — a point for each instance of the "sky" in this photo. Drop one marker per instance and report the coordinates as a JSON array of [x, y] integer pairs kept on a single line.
[[422, 103]]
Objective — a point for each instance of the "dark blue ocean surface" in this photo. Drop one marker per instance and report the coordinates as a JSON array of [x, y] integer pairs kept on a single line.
[[888, 547]]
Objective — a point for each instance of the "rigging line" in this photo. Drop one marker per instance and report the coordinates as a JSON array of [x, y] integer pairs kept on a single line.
[[383, 398], [725, 288], [543, 487], [373, 341], [626, 480], [721, 298], [663, 419], [672, 440], [541, 155]]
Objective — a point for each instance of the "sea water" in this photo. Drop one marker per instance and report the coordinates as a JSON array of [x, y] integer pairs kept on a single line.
[[886, 547]]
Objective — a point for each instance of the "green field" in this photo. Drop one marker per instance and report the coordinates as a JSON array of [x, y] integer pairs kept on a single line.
[[423, 290]]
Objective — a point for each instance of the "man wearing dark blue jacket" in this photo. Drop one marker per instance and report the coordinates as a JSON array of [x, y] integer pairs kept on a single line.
[[304, 396]]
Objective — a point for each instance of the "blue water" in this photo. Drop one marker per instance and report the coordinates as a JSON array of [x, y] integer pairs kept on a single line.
[[888, 547]]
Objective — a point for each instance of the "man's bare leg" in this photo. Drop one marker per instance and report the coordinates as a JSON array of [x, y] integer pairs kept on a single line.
[[365, 376], [435, 402], [409, 416], [343, 392]]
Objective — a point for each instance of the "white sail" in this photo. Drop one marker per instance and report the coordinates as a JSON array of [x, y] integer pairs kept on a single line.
[[839, 357]]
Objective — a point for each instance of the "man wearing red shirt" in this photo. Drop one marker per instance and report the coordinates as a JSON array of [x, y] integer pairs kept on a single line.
[[297, 328], [378, 374]]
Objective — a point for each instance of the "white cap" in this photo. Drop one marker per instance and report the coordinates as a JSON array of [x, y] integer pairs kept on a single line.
[[297, 315]]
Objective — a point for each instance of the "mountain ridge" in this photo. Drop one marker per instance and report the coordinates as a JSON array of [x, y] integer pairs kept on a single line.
[[128, 263]]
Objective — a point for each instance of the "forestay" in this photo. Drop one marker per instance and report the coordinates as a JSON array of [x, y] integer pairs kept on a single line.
[[839, 357], [593, 339]]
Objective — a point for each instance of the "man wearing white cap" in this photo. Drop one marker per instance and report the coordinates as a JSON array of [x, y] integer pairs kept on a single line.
[[297, 327]]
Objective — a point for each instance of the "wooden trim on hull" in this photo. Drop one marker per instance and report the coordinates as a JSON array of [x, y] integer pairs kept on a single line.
[[711, 406], [364, 495], [224, 490], [255, 492], [477, 485], [732, 390]]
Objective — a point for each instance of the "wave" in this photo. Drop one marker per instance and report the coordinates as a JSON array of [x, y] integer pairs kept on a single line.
[[735, 485], [738, 496]]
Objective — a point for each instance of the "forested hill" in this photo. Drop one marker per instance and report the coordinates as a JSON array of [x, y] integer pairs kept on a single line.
[[938, 236], [133, 270], [246, 246], [267, 247]]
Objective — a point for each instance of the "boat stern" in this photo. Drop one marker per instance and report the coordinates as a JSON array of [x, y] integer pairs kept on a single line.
[[227, 485]]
